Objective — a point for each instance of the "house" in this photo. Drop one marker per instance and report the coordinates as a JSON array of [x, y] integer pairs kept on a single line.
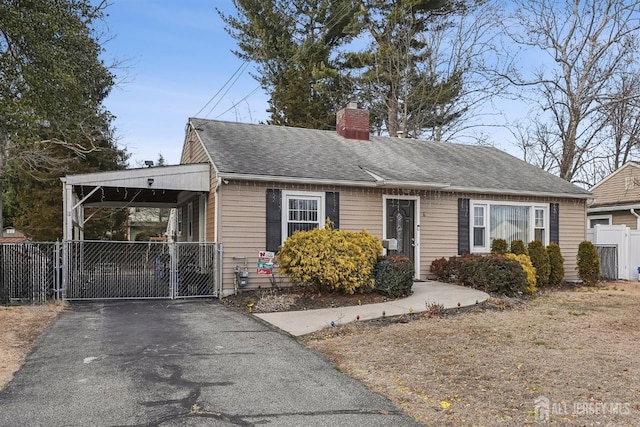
[[617, 199], [149, 222], [11, 235], [432, 199]]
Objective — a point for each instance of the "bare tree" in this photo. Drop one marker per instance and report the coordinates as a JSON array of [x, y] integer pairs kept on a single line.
[[622, 117], [460, 45], [577, 48], [422, 73]]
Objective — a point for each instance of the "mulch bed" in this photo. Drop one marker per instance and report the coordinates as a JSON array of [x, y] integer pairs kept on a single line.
[[297, 298]]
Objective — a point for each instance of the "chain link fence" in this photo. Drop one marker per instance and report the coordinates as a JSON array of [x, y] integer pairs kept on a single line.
[[101, 270], [146, 270], [28, 272]]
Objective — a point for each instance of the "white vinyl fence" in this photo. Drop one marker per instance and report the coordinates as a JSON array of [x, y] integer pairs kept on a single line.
[[619, 250]]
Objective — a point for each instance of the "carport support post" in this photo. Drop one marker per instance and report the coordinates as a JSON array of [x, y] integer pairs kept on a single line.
[[73, 214]]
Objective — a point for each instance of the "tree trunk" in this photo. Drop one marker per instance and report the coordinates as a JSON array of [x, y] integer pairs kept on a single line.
[[4, 155]]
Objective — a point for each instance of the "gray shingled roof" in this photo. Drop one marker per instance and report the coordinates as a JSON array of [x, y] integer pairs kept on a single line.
[[308, 154]]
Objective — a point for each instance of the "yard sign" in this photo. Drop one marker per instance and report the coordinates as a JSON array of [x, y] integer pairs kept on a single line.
[[265, 262]]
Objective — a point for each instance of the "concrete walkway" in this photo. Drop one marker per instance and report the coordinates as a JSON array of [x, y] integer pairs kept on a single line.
[[303, 322]]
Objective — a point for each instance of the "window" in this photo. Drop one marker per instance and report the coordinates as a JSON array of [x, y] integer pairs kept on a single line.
[[539, 226], [180, 221], [479, 226], [301, 211], [508, 221], [599, 220], [190, 221]]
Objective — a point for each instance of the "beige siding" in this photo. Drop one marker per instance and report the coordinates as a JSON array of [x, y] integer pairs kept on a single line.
[[361, 209], [439, 228], [615, 189], [193, 151], [211, 212], [572, 231], [624, 218], [243, 230]]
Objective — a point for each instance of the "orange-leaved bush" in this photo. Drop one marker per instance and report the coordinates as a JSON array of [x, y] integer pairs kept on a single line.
[[330, 260]]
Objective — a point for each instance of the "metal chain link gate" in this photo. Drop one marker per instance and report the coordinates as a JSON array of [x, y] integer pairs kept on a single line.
[[96, 270]]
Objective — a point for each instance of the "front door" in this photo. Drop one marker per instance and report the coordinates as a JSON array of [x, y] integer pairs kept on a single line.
[[401, 225]]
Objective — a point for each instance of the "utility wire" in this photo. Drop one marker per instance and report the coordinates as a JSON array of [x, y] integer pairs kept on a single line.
[[223, 86], [245, 65], [237, 103], [337, 17]]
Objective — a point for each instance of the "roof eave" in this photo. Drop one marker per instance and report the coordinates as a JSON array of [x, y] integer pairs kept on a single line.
[[613, 208], [398, 184], [336, 182], [512, 192]]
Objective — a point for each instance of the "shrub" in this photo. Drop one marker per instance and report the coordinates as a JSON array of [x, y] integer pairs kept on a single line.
[[453, 269], [556, 264], [540, 260], [518, 248], [499, 247], [588, 263], [331, 260], [495, 274], [438, 268], [528, 269], [394, 275]]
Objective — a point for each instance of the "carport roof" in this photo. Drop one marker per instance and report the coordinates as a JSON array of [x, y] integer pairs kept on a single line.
[[153, 187]]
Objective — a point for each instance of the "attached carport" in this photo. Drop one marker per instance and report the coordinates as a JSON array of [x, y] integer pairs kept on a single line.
[[93, 270], [156, 187]]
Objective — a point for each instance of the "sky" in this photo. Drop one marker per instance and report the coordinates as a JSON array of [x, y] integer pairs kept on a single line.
[[172, 58], [175, 61]]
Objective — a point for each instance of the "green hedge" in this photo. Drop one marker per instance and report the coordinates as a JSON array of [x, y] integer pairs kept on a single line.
[[393, 275]]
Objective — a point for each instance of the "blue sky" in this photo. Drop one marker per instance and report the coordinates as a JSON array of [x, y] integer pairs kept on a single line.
[[175, 55]]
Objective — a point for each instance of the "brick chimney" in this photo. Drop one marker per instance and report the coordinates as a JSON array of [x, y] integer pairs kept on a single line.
[[353, 123]]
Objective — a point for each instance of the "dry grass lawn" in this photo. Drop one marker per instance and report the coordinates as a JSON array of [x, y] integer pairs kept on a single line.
[[578, 349], [20, 327], [484, 367]]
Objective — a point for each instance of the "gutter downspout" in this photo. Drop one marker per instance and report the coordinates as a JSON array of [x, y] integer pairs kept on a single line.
[[633, 212], [216, 221], [216, 216]]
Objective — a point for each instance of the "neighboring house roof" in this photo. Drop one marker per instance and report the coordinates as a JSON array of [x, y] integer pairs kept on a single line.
[[278, 153], [12, 239], [619, 191], [11, 235], [613, 174]]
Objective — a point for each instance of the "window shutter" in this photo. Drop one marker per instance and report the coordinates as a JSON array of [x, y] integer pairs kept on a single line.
[[554, 223], [274, 220], [464, 246], [332, 208]]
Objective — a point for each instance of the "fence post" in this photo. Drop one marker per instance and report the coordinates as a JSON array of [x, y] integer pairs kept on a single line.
[[173, 269], [57, 280], [66, 268]]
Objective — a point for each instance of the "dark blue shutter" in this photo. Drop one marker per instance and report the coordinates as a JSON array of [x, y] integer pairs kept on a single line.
[[332, 208], [554, 223], [274, 220], [464, 246]]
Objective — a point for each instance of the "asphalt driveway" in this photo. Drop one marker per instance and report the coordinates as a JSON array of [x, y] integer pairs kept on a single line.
[[181, 363]]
